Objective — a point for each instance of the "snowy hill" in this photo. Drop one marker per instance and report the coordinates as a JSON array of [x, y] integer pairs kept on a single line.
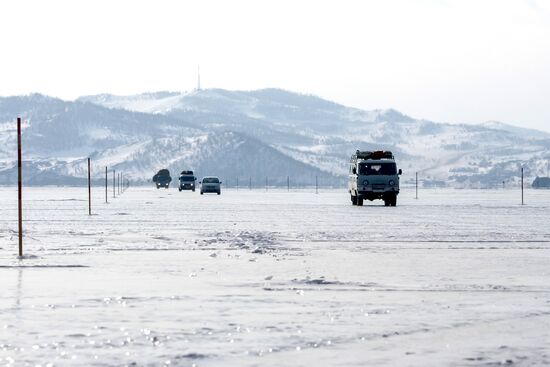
[[58, 136], [323, 134], [251, 135]]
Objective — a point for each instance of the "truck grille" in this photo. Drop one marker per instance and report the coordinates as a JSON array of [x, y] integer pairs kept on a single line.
[[378, 187]]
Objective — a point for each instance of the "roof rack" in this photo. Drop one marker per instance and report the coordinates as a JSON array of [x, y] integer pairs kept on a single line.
[[186, 173], [378, 154]]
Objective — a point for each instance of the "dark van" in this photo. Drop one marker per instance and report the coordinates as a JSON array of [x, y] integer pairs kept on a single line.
[[162, 179]]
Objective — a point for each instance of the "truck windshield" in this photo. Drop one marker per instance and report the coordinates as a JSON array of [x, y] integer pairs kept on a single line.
[[187, 178], [377, 169], [210, 180]]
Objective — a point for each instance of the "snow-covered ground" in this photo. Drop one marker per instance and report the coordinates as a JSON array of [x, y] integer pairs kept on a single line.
[[248, 278]]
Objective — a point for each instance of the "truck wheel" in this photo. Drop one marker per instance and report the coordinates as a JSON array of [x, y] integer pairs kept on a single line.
[[359, 201], [353, 200], [390, 199], [179, 189], [201, 192], [219, 192]]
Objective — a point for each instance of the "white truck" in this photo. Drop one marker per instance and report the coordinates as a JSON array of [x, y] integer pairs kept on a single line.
[[373, 175]]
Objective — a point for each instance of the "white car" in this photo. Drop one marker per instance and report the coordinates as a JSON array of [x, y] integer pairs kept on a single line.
[[210, 184]]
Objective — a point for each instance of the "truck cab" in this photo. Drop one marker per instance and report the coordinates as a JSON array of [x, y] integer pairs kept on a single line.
[[373, 175]]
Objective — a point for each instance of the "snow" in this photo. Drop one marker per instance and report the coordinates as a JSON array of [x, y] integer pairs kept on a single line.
[[159, 277], [147, 102]]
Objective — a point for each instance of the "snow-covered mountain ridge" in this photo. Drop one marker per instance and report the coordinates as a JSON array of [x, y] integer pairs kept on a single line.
[[254, 134]]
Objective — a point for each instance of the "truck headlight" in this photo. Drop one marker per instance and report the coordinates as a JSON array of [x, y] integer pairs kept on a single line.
[[392, 182], [366, 182]]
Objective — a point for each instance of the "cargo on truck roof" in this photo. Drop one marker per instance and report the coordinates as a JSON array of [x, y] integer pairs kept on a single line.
[[377, 154]]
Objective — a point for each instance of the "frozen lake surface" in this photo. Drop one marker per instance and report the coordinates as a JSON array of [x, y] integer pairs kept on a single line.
[[255, 278]]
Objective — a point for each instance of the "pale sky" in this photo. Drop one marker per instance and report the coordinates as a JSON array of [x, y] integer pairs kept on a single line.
[[447, 61]]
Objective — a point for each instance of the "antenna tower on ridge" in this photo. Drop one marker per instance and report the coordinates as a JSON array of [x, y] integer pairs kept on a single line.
[[198, 77]]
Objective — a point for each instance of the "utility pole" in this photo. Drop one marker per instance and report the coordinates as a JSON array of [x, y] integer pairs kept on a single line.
[[316, 186], [522, 186], [106, 200], [19, 188], [416, 186], [89, 190], [288, 183], [114, 183]]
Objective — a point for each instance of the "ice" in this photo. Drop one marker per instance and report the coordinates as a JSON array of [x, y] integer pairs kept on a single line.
[[247, 278]]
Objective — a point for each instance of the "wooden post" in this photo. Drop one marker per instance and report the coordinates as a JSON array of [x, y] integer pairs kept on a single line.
[[106, 200], [416, 185], [316, 186], [89, 190], [521, 185], [19, 188], [114, 184]]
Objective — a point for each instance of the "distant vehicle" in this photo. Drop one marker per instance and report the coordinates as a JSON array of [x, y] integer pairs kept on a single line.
[[373, 175], [187, 181], [541, 183], [162, 179], [211, 184]]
